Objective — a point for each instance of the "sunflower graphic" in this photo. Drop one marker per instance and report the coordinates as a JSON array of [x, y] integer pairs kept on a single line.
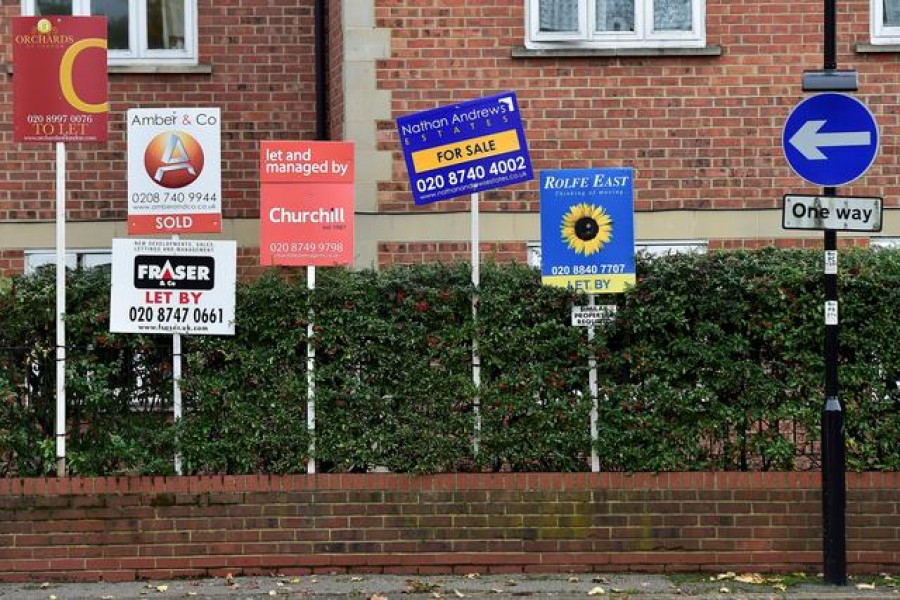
[[586, 228]]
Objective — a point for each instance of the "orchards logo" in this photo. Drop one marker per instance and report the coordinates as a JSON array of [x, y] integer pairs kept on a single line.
[[173, 159], [174, 272], [43, 34]]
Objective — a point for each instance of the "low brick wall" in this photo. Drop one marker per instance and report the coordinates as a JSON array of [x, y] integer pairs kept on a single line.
[[154, 528]]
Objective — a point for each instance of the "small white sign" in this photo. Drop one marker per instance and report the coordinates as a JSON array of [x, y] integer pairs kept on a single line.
[[173, 286], [831, 312], [590, 316], [831, 262], [837, 213]]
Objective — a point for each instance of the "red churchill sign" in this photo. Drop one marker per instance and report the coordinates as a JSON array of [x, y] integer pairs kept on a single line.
[[306, 202], [60, 81]]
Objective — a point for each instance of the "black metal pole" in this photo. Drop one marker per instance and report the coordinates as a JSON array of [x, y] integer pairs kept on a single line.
[[834, 495], [830, 32], [321, 66], [833, 467]]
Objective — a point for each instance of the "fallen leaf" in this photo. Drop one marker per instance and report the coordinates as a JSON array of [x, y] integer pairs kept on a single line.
[[754, 578], [295, 580], [107, 597], [574, 580], [724, 590], [473, 575], [192, 593], [417, 586], [728, 575], [273, 593], [865, 586], [511, 582], [459, 594], [496, 590], [279, 584], [597, 591], [780, 587], [45, 585], [378, 596], [162, 588], [356, 579]]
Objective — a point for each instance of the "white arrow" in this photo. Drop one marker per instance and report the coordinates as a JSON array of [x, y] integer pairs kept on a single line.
[[807, 140]]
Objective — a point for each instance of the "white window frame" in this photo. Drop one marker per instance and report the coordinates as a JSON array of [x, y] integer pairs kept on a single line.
[[83, 259], [139, 53], [651, 248], [881, 34], [880, 242], [643, 35]]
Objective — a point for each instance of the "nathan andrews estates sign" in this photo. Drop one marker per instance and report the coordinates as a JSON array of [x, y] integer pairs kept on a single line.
[[60, 82]]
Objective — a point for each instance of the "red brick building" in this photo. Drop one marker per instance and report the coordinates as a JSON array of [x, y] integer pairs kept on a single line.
[[692, 94]]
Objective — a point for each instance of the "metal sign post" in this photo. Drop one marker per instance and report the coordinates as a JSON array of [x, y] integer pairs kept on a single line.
[[60, 309], [834, 494], [830, 140]]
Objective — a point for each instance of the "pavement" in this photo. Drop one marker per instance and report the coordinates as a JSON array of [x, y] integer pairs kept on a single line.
[[629, 586]]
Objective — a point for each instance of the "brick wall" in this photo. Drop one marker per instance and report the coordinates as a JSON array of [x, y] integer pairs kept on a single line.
[[702, 132], [131, 527], [403, 253], [12, 262], [260, 57]]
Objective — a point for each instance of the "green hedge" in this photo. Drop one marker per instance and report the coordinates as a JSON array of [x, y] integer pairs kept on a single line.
[[713, 362]]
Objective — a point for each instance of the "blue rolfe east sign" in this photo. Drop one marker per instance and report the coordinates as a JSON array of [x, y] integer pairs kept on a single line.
[[587, 229], [465, 148]]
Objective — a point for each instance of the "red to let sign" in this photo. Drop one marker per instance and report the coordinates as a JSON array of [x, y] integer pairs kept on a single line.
[[60, 84], [306, 202]]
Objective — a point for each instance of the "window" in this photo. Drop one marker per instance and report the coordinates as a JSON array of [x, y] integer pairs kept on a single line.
[[615, 23], [650, 248], [83, 259], [667, 247], [884, 242], [139, 31], [885, 21]]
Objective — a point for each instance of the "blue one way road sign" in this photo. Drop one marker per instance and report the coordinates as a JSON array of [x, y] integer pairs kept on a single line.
[[830, 139]]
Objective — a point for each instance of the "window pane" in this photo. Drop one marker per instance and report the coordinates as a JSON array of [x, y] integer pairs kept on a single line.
[[559, 15], [116, 12], [165, 24], [53, 7], [672, 15], [892, 13], [615, 15]]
